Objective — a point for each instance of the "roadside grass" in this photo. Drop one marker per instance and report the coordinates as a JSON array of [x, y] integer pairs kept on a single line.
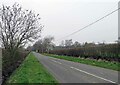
[[32, 71], [103, 64]]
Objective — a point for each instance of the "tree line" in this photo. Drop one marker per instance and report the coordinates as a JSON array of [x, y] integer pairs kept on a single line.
[[43, 45], [99, 51]]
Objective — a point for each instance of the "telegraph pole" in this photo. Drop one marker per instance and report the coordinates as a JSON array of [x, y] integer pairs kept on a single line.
[[119, 22]]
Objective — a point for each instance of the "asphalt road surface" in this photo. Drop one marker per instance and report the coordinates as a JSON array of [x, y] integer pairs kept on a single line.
[[70, 72]]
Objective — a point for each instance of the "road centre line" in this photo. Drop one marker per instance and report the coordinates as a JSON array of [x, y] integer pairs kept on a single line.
[[85, 72], [92, 75], [56, 61]]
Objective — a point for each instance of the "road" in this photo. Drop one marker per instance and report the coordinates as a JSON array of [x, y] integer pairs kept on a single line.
[[71, 72]]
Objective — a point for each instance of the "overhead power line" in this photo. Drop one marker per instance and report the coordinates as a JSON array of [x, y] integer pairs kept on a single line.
[[90, 24]]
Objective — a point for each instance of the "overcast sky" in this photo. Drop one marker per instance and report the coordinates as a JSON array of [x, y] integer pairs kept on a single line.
[[62, 17]]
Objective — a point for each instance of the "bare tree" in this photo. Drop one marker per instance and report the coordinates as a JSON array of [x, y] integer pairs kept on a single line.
[[76, 44], [44, 45], [29, 48], [62, 44], [17, 27], [68, 43], [38, 46], [47, 43]]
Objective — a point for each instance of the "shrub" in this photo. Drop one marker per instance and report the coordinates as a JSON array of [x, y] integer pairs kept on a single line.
[[9, 63]]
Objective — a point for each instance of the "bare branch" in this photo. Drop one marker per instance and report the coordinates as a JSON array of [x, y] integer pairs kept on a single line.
[[18, 26]]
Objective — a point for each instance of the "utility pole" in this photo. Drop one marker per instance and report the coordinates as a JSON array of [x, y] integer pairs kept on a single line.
[[119, 22], [0, 65]]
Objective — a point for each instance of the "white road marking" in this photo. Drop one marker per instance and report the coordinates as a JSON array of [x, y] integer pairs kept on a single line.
[[83, 71], [54, 58], [56, 61], [92, 75]]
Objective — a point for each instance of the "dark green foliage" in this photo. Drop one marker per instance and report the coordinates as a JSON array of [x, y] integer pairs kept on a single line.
[[10, 63], [31, 71], [109, 52]]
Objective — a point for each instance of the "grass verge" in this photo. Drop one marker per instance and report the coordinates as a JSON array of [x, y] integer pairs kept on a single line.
[[103, 64], [31, 71]]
